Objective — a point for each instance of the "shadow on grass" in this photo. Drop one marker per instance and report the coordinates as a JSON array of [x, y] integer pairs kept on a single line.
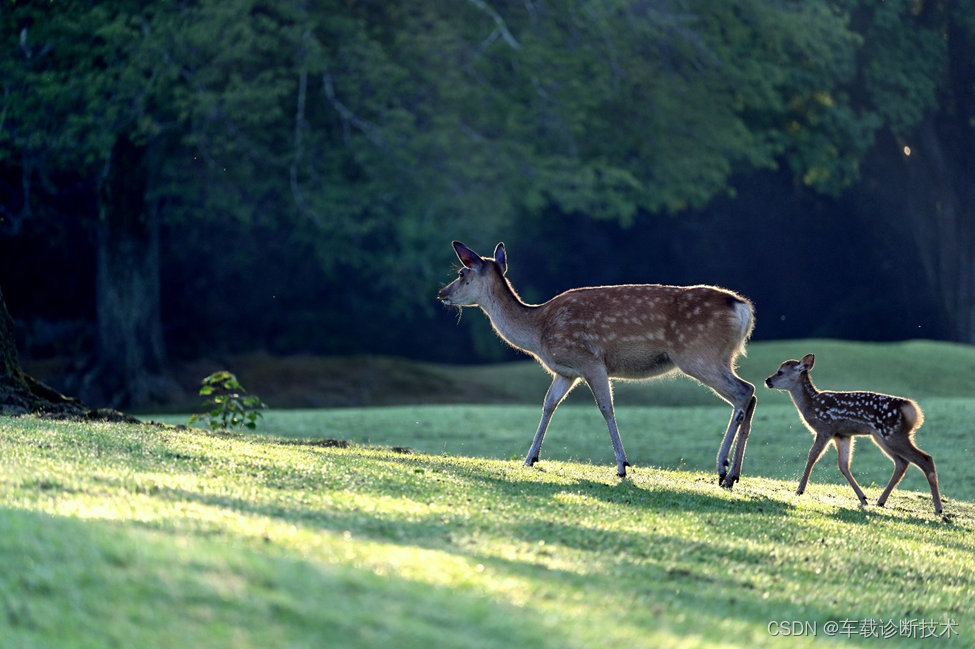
[[641, 576], [112, 586]]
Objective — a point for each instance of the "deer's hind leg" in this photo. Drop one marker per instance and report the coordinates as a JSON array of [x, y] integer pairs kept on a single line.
[[902, 451], [741, 395]]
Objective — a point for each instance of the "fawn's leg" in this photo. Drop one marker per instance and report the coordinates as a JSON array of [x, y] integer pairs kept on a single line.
[[900, 468], [903, 449], [816, 452], [844, 451]]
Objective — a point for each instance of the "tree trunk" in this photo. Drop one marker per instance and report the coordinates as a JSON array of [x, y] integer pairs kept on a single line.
[[944, 226], [20, 394], [13, 386], [941, 198], [919, 188], [129, 353]]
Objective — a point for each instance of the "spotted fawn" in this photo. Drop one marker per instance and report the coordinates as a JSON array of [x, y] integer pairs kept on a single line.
[[838, 416]]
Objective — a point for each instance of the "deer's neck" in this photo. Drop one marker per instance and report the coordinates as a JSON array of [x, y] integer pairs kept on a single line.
[[515, 321], [803, 393]]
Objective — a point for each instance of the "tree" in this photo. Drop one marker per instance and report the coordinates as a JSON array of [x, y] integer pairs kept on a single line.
[[916, 72], [366, 131], [21, 394], [107, 90]]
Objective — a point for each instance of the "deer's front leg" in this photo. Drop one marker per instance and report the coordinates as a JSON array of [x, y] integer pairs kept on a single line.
[[816, 452], [844, 450], [561, 386]]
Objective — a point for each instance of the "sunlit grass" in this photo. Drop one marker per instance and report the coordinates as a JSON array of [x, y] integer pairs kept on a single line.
[[125, 536]]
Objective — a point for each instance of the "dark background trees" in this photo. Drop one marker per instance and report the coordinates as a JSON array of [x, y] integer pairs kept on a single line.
[[201, 177]]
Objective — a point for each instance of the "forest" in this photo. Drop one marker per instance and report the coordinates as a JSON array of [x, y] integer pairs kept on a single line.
[[185, 178]]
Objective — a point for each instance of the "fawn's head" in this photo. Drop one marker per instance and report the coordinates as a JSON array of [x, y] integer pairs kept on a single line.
[[476, 279], [790, 372]]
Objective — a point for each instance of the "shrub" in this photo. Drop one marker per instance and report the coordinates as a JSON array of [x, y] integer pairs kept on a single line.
[[230, 408]]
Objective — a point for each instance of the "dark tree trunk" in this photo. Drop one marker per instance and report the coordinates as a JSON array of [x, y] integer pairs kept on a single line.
[[20, 394], [14, 392], [129, 354], [941, 197], [943, 219], [919, 189]]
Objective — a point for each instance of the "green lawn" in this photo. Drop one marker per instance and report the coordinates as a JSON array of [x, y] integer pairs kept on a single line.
[[127, 536]]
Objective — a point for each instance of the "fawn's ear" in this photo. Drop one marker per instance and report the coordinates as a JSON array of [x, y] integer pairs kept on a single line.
[[467, 256], [807, 362], [500, 258]]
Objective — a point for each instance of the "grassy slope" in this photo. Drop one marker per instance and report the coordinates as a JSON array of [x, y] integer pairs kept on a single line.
[[119, 536]]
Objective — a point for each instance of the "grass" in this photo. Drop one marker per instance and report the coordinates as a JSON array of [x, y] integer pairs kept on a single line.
[[122, 536], [914, 368]]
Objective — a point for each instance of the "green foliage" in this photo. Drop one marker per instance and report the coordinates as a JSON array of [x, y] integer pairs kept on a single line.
[[365, 116], [231, 409], [368, 127]]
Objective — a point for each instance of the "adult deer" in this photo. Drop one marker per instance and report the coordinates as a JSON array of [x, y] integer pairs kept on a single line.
[[636, 331], [838, 416]]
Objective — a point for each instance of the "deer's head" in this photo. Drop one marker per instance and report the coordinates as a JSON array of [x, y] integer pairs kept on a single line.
[[476, 279], [790, 372]]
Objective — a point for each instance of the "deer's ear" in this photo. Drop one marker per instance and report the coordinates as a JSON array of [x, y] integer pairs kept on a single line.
[[807, 362], [500, 258], [467, 256]]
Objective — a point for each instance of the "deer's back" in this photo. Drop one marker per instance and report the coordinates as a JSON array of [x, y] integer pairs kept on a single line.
[[640, 330], [853, 413]]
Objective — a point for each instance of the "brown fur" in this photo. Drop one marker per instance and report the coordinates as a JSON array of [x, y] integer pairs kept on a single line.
[[634, 331]]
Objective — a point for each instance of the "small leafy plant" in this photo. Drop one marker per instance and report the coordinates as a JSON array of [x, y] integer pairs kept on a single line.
[[230, 408]]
